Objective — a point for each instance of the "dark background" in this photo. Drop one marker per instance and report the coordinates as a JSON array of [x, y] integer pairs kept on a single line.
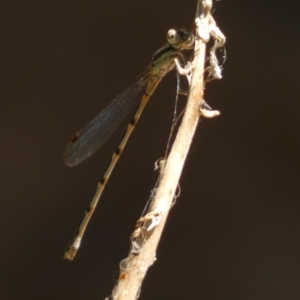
[[234, 232]]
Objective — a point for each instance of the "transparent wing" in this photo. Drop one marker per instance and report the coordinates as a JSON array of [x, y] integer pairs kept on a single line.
[[90, 138]]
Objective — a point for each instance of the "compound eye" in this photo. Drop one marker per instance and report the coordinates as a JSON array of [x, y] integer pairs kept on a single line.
[[190, 40], [173, 37]]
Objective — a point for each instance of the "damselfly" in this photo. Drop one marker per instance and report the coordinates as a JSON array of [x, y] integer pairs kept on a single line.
[[94, 134]]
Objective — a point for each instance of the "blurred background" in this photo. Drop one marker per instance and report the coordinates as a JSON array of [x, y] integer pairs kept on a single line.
[[234, 231]]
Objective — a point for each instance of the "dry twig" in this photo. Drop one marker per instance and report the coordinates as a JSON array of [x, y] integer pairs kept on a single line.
[[146, 237]]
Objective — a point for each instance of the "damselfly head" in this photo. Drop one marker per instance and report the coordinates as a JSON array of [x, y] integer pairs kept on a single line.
[[181, 38]]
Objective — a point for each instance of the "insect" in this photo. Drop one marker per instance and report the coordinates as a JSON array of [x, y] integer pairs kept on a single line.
[[91, 137]]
